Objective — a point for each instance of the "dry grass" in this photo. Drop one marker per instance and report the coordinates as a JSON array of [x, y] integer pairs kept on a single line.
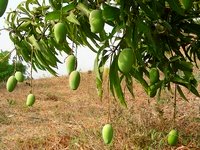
[[65, 119]]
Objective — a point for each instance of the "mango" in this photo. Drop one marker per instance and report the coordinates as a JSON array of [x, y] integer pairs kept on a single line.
[[11, 83], [107, 133], [173, 137], [19, 76], [110, 13], [71, 63], [153, 75], [126, 60], [96, 21], [3, 6], [74, 80], [60, 32], [30, 100]]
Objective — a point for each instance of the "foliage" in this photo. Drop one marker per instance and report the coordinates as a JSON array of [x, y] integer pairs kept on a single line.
[[7, 69], [162, 34]]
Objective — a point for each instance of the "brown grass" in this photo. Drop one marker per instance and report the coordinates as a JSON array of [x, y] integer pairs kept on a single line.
[[65, 119]]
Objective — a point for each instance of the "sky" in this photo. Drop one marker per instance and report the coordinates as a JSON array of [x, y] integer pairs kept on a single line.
[[85, 56]]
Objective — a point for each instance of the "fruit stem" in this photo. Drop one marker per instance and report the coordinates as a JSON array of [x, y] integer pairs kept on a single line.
[[61, 11], [174, 115], [31, 70], [109, 102], [15, 63]]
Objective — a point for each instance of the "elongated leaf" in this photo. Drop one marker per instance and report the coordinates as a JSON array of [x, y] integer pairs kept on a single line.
[[69, 7], [115, 85], [194, 90], [148, 11], [84, 39], [72, 18], [54, 15], [176, 6], [129, 84], [181, 93], [138, 77]]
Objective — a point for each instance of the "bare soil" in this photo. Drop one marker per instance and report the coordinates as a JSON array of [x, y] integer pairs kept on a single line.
[[66, 119]]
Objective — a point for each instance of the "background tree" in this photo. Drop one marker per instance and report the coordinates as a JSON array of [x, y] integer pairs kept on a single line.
[[7, 68], [146, 39]]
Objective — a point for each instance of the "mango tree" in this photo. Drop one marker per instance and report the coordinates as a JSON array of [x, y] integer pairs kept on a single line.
[[155, 42]]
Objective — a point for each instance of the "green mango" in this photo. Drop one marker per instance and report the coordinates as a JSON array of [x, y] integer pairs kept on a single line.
[[30, 100], [3, 6], [96, 21], [126, 60], [60, 32], [172, 137], [11, 83], [110, 13], [71, 63], [19, 76], [107, 133], [74, 80], [153, 75]]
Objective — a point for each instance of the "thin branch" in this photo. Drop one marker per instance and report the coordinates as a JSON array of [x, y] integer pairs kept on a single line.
[[175, 99]]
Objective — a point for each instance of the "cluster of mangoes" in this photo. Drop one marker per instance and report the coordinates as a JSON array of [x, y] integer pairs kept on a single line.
[[12, 82], [74, 75], [98, 17], [127, 59], [71, 61]]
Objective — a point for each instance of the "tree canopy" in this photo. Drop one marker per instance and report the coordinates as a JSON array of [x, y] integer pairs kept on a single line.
[[155, 42]]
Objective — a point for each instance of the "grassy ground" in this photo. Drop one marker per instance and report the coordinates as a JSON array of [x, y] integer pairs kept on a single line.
[[72, 120]]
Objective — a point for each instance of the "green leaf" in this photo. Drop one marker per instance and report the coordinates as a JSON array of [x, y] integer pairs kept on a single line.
[[129, 84], [184, 66], [176, 6], [55, 15], [181, 93], [85, 41], [69, 7], [136, 74], [194, 90], [148, 11], [115, 85], [72, 18]]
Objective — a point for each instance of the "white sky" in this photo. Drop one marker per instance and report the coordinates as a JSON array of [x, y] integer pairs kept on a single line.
[[85, 56]]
